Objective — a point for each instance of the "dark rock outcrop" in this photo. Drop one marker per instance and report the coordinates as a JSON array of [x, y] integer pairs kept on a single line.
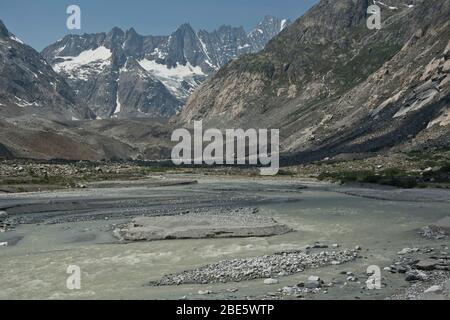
[[28, 84]]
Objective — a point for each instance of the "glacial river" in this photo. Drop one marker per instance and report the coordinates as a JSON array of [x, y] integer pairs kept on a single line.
[[34, 264]]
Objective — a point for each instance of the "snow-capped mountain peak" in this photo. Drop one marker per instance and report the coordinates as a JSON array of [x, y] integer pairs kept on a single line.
[[94, 64]]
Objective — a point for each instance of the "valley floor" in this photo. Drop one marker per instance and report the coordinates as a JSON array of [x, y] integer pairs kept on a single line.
[[336, 233]]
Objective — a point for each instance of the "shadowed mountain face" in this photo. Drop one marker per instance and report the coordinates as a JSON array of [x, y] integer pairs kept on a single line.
[[333, 86], [28, 85], [122, 74]]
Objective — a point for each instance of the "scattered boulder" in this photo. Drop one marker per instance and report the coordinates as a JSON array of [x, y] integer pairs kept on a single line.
[[408, 251], [204, 292], [318, 245], [438, 230], [283, 274], [271, 281], [313, 282], [435, 289], [426, 265], [289, 290], [415, 275], [442, 225]]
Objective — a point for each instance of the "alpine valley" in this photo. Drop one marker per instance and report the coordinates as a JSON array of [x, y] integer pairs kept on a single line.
[[334, 88], [130, 84], [95, 196]]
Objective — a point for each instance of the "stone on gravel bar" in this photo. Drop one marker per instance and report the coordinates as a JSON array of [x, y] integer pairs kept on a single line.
[[271, 281], [204, 292], [435, 289], [426, 264], [263, 267], [313, 278], [415, 275], [443, 224], [407, 251], [313, 284], [318, 245]]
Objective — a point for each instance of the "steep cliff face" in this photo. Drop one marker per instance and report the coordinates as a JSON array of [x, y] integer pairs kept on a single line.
[[333, 86], [28, 85]]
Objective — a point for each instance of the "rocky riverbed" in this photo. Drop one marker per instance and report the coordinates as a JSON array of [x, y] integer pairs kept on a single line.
[[269, 266], [45, 232]]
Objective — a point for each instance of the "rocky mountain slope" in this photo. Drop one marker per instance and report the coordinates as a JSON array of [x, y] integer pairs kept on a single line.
[[122, 74], [28, 84], [333, 87], [38, 138]]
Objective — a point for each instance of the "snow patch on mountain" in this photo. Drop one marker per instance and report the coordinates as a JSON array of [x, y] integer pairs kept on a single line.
[[23, 103], [179, 72], [100, 57], [13, 37], [205, 51], [173, 78]]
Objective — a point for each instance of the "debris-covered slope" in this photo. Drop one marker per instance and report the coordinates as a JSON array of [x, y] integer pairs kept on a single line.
[[332, 86]]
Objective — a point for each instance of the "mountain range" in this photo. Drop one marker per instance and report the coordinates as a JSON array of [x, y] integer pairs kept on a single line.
[[122, 74], [335, 88]]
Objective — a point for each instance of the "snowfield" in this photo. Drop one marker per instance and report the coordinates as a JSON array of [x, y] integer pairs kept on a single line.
[[173, 78], [101, 56]]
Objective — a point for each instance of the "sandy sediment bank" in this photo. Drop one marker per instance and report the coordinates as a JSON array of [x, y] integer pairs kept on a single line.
[[395, 194], [209, 224]]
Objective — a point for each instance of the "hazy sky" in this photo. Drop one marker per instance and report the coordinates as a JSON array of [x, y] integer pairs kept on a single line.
[[42, 22]]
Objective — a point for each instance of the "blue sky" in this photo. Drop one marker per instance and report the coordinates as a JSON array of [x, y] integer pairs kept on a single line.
[[42, 22]]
